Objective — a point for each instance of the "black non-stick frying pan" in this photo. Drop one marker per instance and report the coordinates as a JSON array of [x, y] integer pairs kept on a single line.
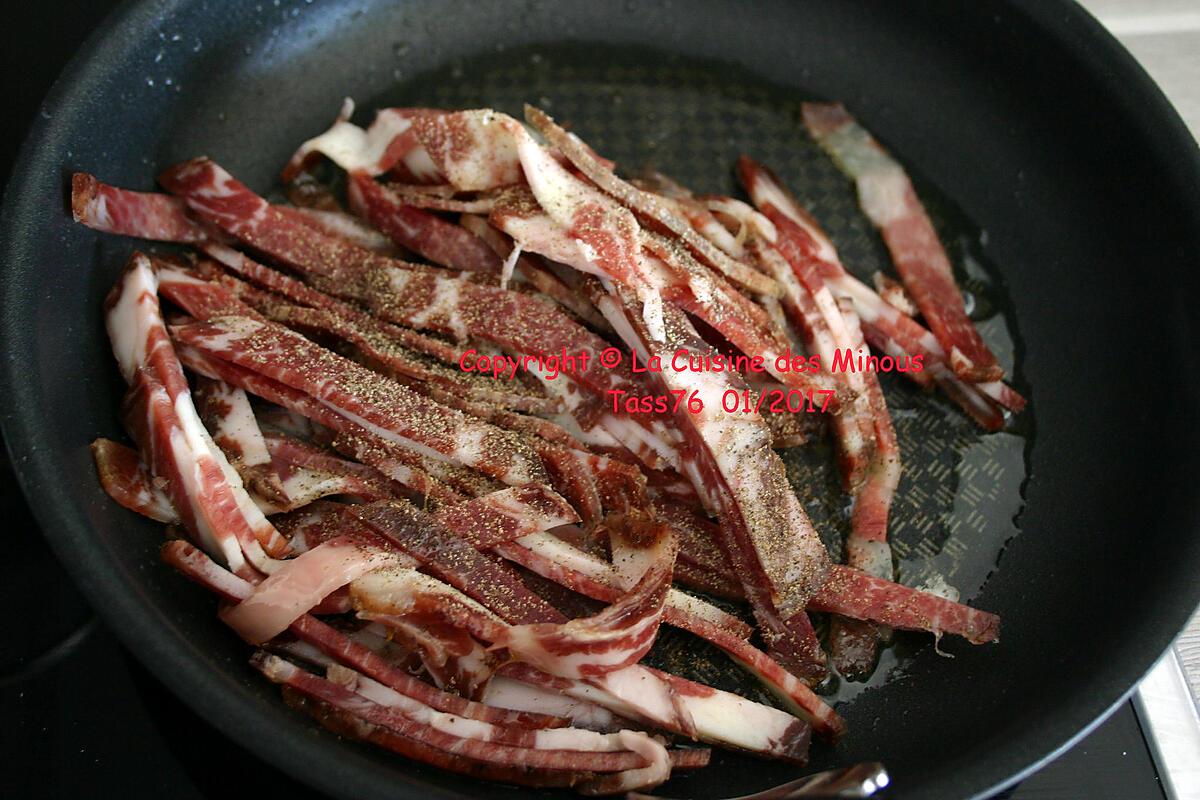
[[1055, 155]]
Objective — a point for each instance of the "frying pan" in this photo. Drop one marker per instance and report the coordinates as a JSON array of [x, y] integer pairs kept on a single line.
[[1042, 130]]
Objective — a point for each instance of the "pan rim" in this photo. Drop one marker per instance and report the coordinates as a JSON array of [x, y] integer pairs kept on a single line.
[[159, 645]]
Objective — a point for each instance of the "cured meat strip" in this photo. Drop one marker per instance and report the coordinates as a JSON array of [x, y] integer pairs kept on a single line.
[[885, 327], [226, 412], [558, 561], [852, 421], [887, 197], [655, 698], [440, 198], [853, 644], [617, 637], [293, 589], [506, 515], [376, 150], [393, 348], [554, 748], [346, 226], [684, 707], [148, 215], [127, 481], [385, 408], [861, 596], [508, 693], [647, 204], [390, 459], [537, 276], [424, 233], [204, 488], [289, 454], [454, 560], [218, 198], [196, 566], [765, 533], [471, 150]]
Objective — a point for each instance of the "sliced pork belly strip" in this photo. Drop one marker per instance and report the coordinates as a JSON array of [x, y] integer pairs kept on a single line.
[[554, 748], [218, 198], [885, 327], [226, 412], [203, 487], [344, 225], [424, 233], [584, 574], [126, 480], [374, 150], [765, 533], [887, 197], [146, 215], [854, 644], [397, 463], [645, 203], [440, 198], [534, 273], [301, 583], [851, 422], [384, 407], [470, 148], [455, 561], [506, 515], [360, 480], [615, 638], [198, 567], [503, 692], [400, 349], [855, 594], [683, 707]]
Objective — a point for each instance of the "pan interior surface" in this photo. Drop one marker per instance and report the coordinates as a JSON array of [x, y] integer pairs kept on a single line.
[[1042, 133]]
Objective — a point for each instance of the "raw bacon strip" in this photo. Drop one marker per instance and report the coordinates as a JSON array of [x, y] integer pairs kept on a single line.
[[885, 327], [577, 571], [471, 744], [289, 454], [506, 515], [374, 150], [147, 215], [127, 481], [887, 197], [615, 638], [684, 707], [398, 349], [204, 489], [200, 298], [453, 659], [655, 698], [471, 148], [516, 695], [438, 481], [455, 561], [385, 408], [300, 584], [646, 204], [199, 568], [765, 533], [894, 294], [388, 458], [424, 233], [226, 412], [218, 198], [861, 596], [851, 421], [346, 226], [854, 644], [534, 274]]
